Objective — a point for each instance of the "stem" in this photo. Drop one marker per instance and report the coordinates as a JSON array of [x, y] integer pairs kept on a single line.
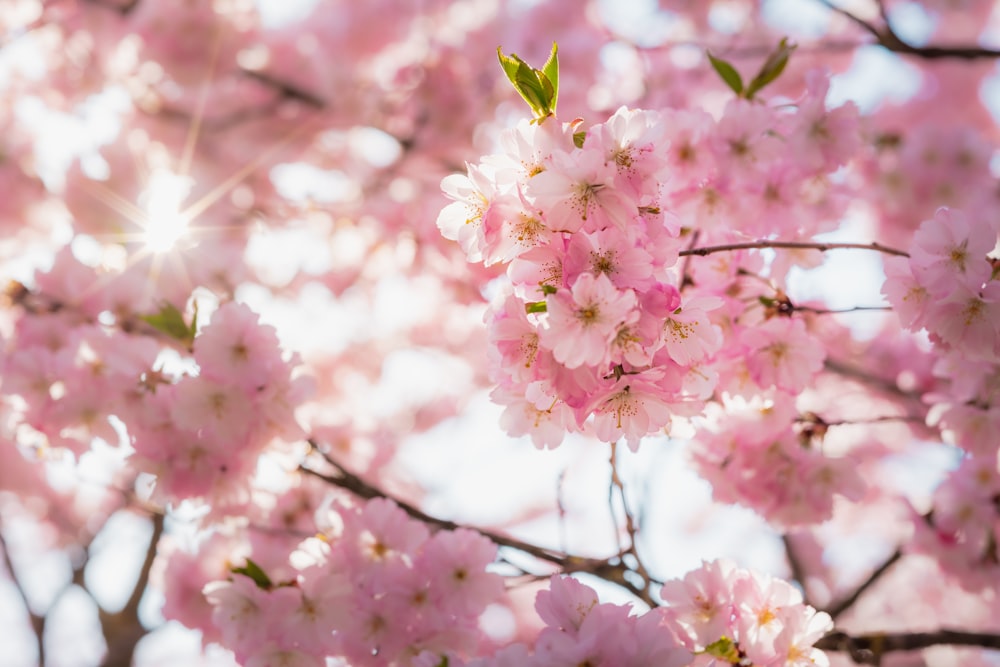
[[800, 245], [838, 608], [796, 566]]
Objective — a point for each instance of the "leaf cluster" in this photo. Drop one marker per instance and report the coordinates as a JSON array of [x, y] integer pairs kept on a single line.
[[538, 87], [772, 68]]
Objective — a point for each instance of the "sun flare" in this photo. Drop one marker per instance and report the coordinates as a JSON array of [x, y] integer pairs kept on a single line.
[[165, 222]]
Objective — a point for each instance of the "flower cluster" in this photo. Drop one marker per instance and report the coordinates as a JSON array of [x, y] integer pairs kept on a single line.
[[949, 287], [594, 331], [376, 589], [730, 615], [581, 630], [79, 365], [758, 459]]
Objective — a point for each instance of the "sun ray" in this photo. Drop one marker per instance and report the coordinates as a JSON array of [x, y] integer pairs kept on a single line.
[[223, 188], [116, 202], [194, 129]]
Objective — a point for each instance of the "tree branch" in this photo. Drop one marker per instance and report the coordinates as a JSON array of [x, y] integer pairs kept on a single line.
[[123, 630], [798, 245], [887, 38], [797, 568], [286, 89], [838, 608], [864, 377], [868, 649], [613, 570]]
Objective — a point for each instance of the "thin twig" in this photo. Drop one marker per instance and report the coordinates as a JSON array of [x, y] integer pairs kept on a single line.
[[838, 608], [797, 245], [841, 311], [864, 377], [630, 524], [613, 570], [796, 566]]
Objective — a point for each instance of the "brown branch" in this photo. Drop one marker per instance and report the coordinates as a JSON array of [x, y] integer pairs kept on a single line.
[[838, 608], [348, 481], [123, 630], [123, 8], [887, 38], [862, 376], [798, 245], [630, 524], [613, 570], [685, 278], [841, 311], [868, 649], [796, 566], [286, 89]]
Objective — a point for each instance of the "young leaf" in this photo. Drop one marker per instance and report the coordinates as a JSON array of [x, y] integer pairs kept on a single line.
[[772, 68], [170, 321], [579, 138], [724, 648], [539, 88], [536, 307], [254, 571], [551, 71], [727, 72]]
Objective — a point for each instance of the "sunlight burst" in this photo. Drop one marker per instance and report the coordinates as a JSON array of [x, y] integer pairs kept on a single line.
[[165, 222]]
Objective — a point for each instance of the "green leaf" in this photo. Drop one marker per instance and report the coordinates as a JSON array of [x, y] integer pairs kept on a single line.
[[254, 571], [539, 88], [170, 321], [771, 69], [536, 90], [724, 649], [727, 72], [551, 71], [547, 289], [509, 64], [579, 138], [536, 307], [194, 319]]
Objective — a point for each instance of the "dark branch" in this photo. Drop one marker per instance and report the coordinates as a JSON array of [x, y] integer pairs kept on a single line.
[[838, 608], [796, 567], [286, 89], [887, 38], [613, 570], [123, 630], [798, 245], [862, 376], [868, 649]]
